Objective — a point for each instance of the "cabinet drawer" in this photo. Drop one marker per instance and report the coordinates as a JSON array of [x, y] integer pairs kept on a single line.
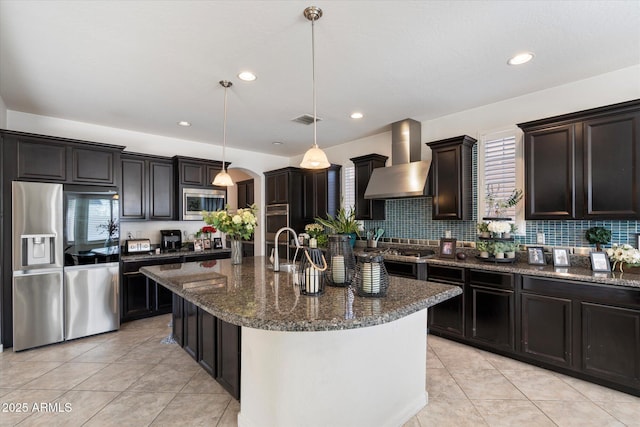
[[608, 294], [491, 279], [445, 274]]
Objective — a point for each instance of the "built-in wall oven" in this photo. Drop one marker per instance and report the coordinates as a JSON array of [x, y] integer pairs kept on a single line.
[[276, 217], [196, 200]]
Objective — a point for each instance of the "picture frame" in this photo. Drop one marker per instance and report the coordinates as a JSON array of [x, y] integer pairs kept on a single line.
[[197, 245], [217, 243], [535, 255], [206, 244], [447, 248], [600, 262], [561, 257]]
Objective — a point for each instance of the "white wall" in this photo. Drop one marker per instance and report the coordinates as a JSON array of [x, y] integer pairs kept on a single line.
[[610, 88], [3, 114]]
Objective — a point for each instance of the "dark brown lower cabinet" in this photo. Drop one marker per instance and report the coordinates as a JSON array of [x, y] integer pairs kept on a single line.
[[491, 309], [447, 318], [228, 357], [190, 338], [207, 342], [611, 342], [546, 328], [177, 319], [212, 342]]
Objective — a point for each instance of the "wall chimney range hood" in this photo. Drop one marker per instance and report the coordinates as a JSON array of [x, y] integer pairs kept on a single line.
[[407, 177]]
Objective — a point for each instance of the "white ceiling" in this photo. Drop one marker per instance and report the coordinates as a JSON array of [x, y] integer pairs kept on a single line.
[[144, 65]]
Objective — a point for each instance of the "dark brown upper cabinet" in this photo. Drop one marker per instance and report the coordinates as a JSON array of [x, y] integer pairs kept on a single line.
[[284, 186], [147, 187], [197, 173], [245, 193], [321, 192], [451, 176], [52, 159], [584, 165], [364, 165]]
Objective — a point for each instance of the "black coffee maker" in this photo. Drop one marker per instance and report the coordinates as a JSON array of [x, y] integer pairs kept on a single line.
[[171, 240]]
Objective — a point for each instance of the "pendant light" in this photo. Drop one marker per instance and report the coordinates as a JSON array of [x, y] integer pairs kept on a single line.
[[314, 158], [223, 179]]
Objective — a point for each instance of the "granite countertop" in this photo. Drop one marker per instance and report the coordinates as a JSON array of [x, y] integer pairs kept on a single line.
[[252, 295], [180, 253], [580, 274]]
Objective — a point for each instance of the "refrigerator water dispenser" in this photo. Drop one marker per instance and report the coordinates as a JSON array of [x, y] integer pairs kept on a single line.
[[38, 249]]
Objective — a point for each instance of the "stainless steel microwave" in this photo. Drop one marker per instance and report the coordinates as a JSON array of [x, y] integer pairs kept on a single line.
[[196, 200]]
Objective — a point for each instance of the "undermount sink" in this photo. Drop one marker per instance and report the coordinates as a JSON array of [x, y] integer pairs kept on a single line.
[[288, 268], [216, 281]]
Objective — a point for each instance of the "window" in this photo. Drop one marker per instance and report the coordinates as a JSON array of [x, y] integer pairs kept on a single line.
[[500, 172], [349, 192]]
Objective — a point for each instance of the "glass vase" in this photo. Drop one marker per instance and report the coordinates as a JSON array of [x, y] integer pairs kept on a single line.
[[236, 251]]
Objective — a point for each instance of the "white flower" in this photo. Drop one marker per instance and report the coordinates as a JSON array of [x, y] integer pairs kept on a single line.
[[623, 253], [237, 219], [499, 227]]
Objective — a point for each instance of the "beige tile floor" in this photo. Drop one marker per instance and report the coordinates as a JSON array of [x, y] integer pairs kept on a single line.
[[129, 378]]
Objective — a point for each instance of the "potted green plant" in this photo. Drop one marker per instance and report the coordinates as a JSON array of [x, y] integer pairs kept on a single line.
[[343, 223], [499, 249], [511, 248], [483, 229], [598, 236], [483, 248]]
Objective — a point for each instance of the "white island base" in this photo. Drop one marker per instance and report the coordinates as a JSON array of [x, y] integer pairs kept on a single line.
[[370, 376]]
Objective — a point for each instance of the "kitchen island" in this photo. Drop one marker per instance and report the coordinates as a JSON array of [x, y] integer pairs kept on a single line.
[[337, 359]]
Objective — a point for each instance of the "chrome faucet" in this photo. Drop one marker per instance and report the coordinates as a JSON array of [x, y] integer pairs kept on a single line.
[[276, 259]]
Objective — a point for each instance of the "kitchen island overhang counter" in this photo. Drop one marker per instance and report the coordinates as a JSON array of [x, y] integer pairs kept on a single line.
[[336, 359]]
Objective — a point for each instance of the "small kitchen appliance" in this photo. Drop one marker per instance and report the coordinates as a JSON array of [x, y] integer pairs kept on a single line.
[[171, 240], [138, 246]]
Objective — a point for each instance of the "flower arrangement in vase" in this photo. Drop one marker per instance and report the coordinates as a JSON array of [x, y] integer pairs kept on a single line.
[[238, 226], [623, 256]]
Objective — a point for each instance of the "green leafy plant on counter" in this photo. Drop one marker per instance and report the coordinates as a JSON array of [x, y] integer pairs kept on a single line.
[[500, 248], [598, 236], [343, 223]]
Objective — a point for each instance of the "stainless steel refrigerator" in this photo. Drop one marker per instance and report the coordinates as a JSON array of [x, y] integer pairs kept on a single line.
[[65, 262], [38, 306]]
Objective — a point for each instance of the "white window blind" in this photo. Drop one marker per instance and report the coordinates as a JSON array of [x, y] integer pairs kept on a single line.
[[499, 171], [349, 198]]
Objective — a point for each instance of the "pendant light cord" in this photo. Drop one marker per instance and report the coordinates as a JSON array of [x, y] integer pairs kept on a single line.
[[313, 82], [224, 129]]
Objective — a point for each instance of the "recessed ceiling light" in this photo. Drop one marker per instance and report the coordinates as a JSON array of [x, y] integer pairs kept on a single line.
[[521, 58], [184, 123], [356, 115], [277, 142], [247, 76]]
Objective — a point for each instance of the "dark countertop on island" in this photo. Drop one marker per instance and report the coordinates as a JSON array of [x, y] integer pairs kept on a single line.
[[252, 295]]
